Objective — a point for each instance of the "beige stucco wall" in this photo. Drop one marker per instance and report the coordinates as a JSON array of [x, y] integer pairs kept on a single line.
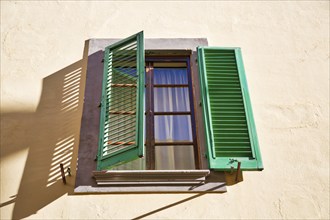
[[286, 54]]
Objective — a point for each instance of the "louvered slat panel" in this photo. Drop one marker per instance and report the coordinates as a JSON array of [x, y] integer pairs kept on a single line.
[[224, 66], [121, 125], [120, 101], [229, 131]]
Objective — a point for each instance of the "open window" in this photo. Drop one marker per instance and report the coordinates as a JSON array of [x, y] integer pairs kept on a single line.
[[170, 121], [169, 116]]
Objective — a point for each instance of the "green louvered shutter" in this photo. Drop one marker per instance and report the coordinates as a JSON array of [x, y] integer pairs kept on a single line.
[[229, 125], [121, 120]]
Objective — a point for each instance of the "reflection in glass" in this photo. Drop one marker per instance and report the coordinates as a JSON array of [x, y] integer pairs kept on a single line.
[[170, 76], [177, 157], [171, 99], [169, 128]]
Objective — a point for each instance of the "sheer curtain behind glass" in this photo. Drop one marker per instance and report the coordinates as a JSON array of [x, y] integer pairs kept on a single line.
[[172, 128]]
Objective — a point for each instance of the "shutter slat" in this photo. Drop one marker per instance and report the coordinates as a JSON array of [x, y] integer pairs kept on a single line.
[[230, 130], [121, 121]]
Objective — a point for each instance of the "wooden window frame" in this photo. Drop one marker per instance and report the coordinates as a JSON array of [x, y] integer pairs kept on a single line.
[[150, 113]]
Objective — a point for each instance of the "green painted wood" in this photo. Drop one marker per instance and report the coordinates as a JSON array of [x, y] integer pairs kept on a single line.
[[229, 125], [121, 119]]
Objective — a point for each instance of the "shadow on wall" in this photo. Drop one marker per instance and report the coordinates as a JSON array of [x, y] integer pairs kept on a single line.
[[51, 135]]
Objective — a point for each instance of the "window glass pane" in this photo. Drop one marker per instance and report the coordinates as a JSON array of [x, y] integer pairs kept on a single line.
[[171, 99], [176, 157], [169, 128], [170, 76]]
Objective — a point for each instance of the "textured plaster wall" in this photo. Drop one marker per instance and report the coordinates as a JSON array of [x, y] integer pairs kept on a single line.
[[286, 54]]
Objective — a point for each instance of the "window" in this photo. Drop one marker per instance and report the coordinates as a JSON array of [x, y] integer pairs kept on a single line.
[[170, 120], [205, 106], [230, 131]]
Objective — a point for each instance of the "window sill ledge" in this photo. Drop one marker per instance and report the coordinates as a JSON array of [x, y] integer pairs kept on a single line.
[[155, 181], [150, 177]]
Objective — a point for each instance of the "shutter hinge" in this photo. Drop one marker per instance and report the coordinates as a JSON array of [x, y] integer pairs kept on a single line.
[[102, 61], [95, 159], [100, 105], [231, 160]]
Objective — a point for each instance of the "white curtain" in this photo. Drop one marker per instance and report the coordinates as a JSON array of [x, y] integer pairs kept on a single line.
[[171, 128]]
